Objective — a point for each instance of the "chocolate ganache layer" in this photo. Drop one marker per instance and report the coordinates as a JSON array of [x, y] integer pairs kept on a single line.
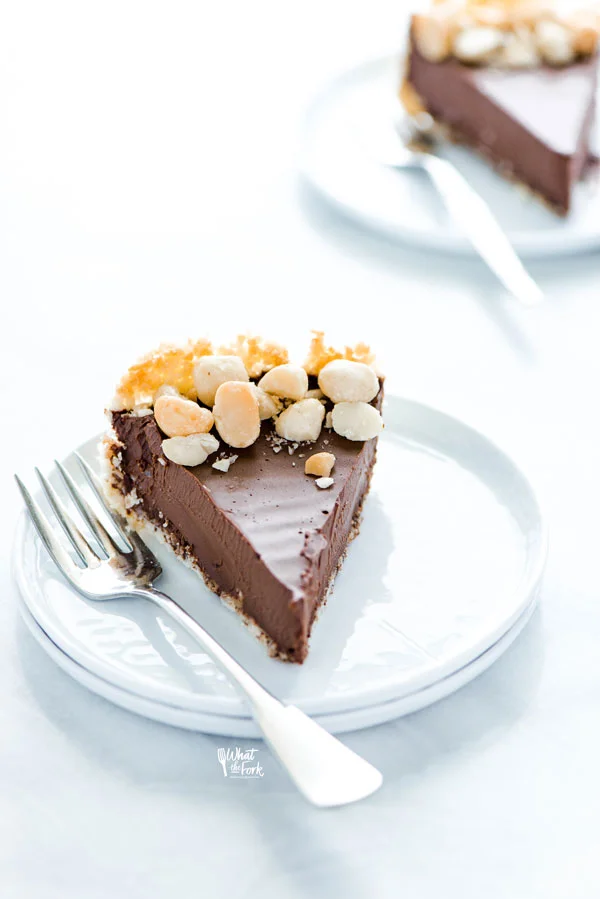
[[262, 533]]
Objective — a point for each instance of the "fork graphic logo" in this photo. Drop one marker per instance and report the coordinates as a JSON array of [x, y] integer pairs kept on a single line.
[[238, 762]]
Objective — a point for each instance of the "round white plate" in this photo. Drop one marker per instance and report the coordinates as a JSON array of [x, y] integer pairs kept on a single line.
[[232, 726], [353, 117], [450, 554]]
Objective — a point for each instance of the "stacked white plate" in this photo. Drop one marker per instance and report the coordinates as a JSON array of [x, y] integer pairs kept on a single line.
[[350, 128], [442, 578]]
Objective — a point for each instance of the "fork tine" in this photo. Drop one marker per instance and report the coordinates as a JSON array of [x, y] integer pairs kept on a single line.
[[58, 554], [105, 540], [93, 480], [78, 541], [131, 538]]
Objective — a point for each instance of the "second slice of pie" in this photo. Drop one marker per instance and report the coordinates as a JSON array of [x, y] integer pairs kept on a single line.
[[514, 79]]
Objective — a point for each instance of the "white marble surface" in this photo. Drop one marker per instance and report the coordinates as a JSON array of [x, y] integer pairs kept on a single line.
[[147, 189]]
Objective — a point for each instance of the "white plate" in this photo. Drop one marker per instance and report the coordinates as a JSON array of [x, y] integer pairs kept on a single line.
[[356, 111], [232, 726], [451, 553]]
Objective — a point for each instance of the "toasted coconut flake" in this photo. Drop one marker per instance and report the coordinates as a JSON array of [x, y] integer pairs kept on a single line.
[[167, 365], [258, 355], [319, 354], [174, 365]]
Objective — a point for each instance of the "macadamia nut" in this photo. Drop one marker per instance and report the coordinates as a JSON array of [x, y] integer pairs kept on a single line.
[[212, 371], [236, 413], [348, 382], [286, 381], [301, 421], [320, 464], [178, 417], [356, 421], [190, 451]]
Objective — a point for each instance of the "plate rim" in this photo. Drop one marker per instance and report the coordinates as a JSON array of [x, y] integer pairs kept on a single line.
[[530, 244], [233, 726], [174, 696]]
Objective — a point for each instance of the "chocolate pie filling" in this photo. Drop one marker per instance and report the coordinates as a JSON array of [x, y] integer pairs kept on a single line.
[[262, 533]]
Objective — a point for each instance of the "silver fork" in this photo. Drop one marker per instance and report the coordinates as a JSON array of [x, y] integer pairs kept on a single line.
[[408, 144], [323, 769]]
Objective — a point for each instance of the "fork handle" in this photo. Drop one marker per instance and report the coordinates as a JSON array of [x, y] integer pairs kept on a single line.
[[252, 690], [323, 769], [475, 218]]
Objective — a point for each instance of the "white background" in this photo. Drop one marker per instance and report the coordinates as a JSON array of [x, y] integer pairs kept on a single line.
[[148, 190]]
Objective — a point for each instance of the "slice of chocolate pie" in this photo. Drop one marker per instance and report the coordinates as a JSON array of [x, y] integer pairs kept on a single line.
[[513, 79], [252, 469]]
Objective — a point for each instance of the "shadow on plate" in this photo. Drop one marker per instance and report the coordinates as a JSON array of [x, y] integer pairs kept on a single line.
[[476, 715]]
